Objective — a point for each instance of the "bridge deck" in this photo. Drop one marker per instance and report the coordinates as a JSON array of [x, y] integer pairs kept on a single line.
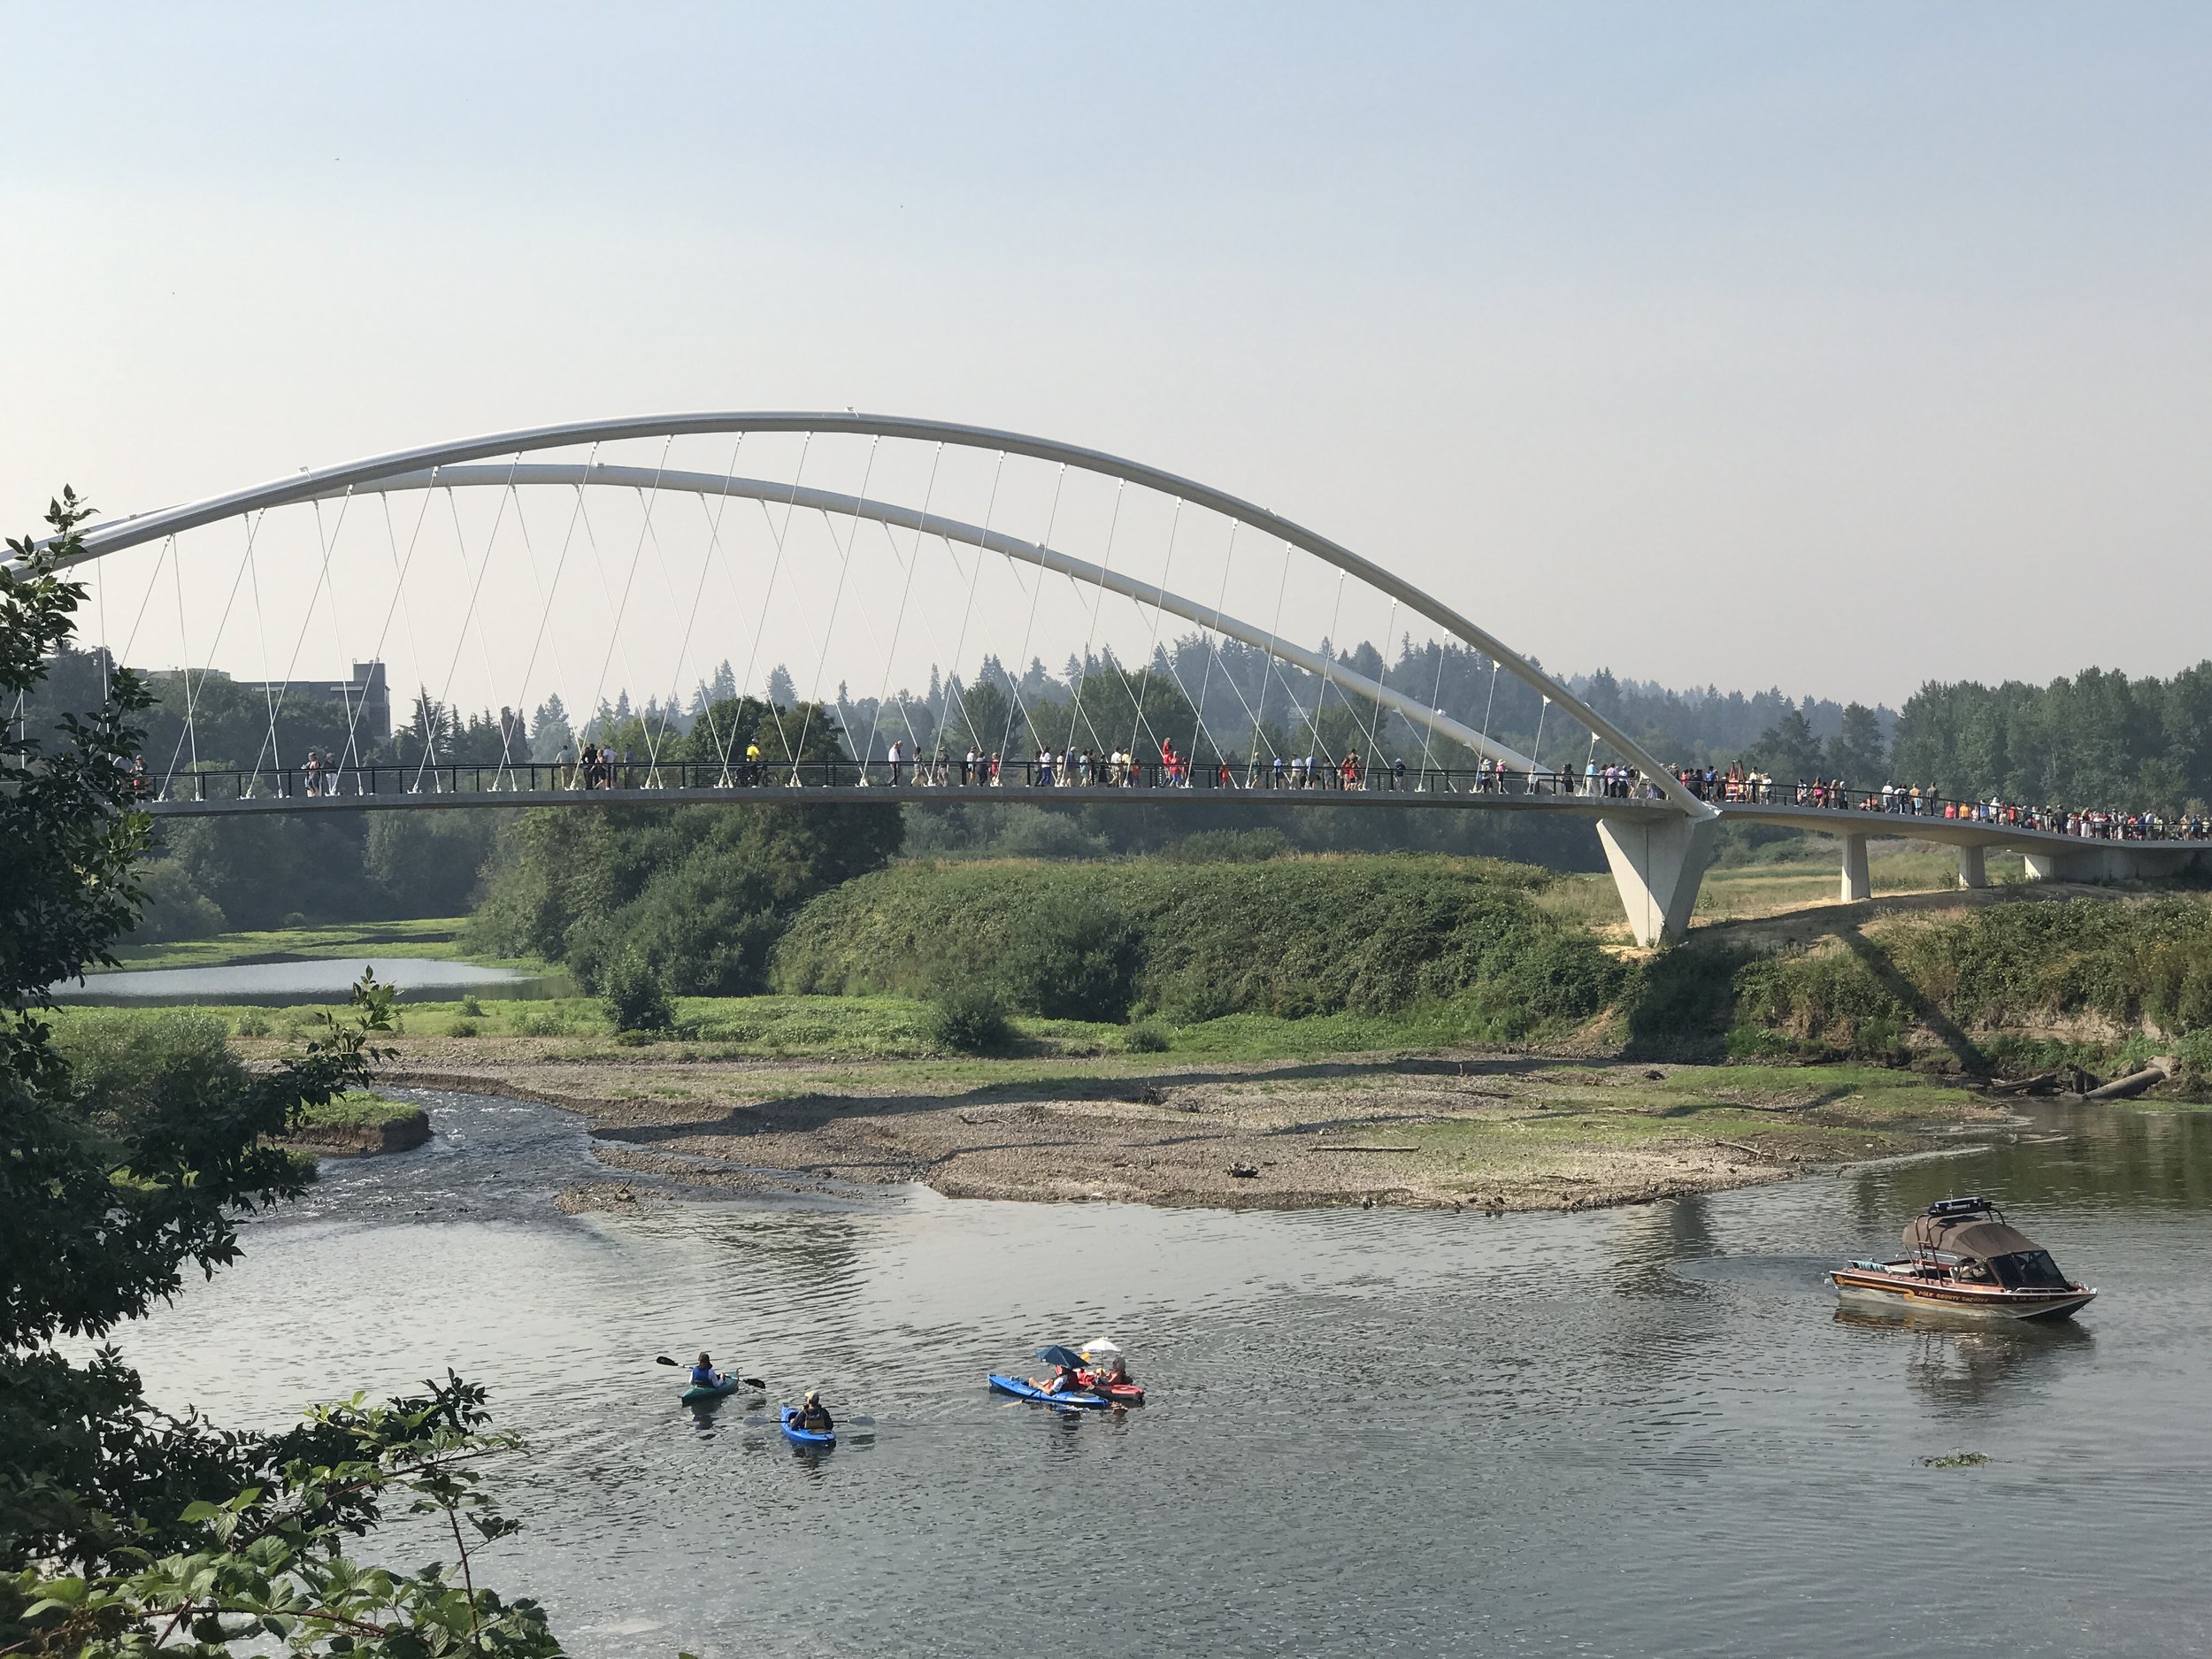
[[228, 799], [1952, 832], [1377, 792], [923, 795]]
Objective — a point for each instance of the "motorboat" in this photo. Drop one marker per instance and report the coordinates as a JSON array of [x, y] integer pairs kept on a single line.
[[1964, 1257]]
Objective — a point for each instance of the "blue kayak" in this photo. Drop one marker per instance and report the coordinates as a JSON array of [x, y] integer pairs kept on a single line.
[[699, 1394], [813, 1439], [1022, 1388]]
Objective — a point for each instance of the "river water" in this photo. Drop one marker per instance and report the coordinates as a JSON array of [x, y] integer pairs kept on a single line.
[[303, 979], [1645, 1431]]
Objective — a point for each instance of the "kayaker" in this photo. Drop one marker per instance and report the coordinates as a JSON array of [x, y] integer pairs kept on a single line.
[[703, 1374], [814, 1415], [1115, 1376], [1064, 1381]]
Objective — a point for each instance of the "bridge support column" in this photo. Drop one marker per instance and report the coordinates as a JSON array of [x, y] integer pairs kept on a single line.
[[1858, 884], [1973, 872], [1658, 866]]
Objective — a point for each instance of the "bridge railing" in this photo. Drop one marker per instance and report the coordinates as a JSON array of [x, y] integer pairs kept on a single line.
[[526, 780], [2092, 826], [1897, 812]]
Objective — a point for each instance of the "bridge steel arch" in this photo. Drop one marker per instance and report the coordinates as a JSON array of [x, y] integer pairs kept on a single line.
[[997, 542], [1657, 859]]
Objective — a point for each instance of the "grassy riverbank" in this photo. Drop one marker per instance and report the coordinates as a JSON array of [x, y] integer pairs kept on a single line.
[[1305, 956], [2006, 982]]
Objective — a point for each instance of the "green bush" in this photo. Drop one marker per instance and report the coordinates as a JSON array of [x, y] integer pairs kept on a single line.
[[1291, 937], [969, 1019], [127, 1062], [1146, 1036], [637, 996], [1078, 964], [2194, 1054]]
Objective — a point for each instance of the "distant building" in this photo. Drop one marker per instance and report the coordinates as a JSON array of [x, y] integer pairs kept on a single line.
[[366, 697]]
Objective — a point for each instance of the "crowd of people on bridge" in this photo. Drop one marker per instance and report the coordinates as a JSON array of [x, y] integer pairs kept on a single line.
[[1738, 784], [597, 766]]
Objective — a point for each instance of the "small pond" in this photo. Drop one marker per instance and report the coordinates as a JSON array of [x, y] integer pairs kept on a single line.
[[310, 979]]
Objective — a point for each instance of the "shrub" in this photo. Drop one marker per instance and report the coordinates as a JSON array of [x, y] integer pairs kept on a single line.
[[1072, 965], [1288, 937], [544, 1022], [1146, 1036], [637, 997], [969, 1019], [126, 1063]]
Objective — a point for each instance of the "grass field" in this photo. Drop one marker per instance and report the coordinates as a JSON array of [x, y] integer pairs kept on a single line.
[[835, 1028]]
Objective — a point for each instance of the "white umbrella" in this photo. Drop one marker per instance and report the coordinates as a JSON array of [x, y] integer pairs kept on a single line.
[[1098, 1347]]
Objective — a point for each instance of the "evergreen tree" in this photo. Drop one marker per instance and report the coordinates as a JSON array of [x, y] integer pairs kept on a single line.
[[1788, 752], [550, 731], [1857, 753]]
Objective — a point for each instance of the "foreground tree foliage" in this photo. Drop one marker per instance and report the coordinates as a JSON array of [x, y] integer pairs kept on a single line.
[[268, 1565], [124, 1528]]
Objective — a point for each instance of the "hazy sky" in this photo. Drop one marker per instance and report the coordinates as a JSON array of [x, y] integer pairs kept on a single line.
[[1840, 347]]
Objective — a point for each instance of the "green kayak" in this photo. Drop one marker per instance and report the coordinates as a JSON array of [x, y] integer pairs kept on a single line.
[[699, 1394]]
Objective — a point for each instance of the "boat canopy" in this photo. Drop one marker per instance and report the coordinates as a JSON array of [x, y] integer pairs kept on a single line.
[[1973, 1236]]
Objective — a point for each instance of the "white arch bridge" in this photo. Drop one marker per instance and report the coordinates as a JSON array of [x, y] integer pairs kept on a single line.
[[1203, 638]]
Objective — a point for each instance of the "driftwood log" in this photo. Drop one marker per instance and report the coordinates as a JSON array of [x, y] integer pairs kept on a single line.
[[2135, 1082]]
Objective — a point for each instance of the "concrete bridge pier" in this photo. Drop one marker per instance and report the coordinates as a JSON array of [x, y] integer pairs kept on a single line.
[[1973, 872], [1658, 865], [1858, 884]]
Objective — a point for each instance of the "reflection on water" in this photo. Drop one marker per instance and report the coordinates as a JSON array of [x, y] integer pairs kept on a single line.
[[1637, 1432], [1967, 1363]]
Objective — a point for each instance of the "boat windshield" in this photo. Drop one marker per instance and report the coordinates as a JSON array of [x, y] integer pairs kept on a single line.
[[2028, 1269]]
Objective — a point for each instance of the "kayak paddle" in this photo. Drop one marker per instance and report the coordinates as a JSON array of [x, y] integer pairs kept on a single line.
[[662, 1359]]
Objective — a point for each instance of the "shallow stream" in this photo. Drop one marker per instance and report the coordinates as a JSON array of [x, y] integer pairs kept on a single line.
[[308, 979], [1645, 1431]]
